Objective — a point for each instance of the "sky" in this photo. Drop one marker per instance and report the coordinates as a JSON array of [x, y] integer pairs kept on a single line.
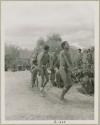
[[26, 21]]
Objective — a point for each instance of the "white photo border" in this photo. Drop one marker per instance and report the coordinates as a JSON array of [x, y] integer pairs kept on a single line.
[[96, 96]]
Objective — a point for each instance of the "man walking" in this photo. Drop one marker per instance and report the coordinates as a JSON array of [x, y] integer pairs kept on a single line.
[[43, 62], [65, 68], [34, 69]]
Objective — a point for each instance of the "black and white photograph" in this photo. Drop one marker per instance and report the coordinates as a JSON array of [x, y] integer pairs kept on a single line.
[[49, 62]]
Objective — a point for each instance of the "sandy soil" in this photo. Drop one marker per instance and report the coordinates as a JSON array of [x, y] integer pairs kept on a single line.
[[25, 103]]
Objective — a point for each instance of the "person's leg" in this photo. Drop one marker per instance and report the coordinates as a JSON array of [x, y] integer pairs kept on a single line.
[[33, 77], [64, 91], [32, 80], [46, 78], [58, 79], [42, 77], [66, 78], [52, 78], [42, 82], [36, 82]]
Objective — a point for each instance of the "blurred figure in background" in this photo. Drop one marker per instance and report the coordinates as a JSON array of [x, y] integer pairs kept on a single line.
[[34, 69], [79, 58]]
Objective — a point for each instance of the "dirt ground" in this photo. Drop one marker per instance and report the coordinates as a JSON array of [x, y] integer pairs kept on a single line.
[[25, 103]]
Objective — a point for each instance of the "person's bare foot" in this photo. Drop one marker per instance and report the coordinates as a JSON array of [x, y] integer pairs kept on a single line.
[[63, 100], [42, 93], [41, 89]]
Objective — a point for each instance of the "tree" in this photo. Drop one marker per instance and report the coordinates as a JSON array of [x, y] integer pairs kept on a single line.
[[40, 42], [54, 42], [11, 54]]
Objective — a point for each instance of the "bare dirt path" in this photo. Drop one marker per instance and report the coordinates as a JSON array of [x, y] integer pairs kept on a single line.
[[25, 103]]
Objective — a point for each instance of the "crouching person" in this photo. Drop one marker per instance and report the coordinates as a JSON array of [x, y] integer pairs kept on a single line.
[[65, 68]]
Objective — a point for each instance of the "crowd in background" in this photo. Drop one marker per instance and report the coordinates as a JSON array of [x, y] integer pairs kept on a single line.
[[17, 59], [82, 73]]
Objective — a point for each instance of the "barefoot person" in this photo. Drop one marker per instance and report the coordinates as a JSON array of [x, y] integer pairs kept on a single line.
[[65, 68], [33, 62], [43, 62]]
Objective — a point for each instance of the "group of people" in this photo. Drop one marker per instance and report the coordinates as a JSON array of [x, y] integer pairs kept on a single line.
[[84, 70], [55, 67]]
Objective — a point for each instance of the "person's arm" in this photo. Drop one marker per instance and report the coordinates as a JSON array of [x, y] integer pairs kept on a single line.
[[61, 58], [50, 61], [70, 60], [66, 59], [40, 59]]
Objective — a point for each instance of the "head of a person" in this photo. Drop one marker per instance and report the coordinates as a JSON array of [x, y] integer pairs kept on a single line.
[[46, 48], [88, 50], [65, 45], [79, 50], [92, 49]]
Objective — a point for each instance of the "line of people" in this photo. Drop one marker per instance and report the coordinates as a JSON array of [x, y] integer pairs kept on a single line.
[[58, 67], [42, 60]]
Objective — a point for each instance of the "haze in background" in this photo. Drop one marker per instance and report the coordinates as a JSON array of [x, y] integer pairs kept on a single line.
[[25, 22]]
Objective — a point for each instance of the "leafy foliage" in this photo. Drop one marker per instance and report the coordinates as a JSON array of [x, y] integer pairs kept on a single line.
[[54, 42], [15, 56]]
